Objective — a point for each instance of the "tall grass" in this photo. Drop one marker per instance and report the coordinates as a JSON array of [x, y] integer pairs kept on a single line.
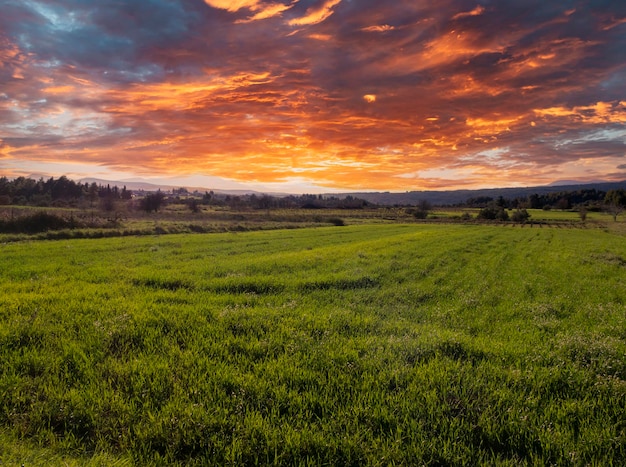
[[359, 345]]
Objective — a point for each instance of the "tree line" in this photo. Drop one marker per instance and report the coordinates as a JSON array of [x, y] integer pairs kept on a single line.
[[59, 192], [557, 200], [64, 192], [583, 200]]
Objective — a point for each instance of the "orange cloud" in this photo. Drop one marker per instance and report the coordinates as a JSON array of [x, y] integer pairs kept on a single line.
[[234, 5], [321, 37], [466, 85], [316, 15], [486, 127], [479, 10], [613, 22], [378, 28], [554, 54], [12, 58], [454, 45], [263, 10], [268, 11], [369, 98], [599, 113], [448, 48], [182, 96], [59, 89]]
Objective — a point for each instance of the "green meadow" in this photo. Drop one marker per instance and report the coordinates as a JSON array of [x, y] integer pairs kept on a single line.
[[370, 344]]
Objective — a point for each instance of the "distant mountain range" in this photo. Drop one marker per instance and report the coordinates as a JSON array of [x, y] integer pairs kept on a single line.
[[574, 182], [146, 186]]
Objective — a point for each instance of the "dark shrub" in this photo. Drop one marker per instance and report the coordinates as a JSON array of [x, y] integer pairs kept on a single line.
[[152, 202], [420, 214], [493, 213], [35, 223], [521, 215], [337, 221]]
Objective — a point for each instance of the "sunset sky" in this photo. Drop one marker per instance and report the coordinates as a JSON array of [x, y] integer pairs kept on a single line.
[[315, 95]]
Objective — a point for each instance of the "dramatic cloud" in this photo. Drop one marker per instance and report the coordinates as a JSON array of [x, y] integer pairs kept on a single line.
[[333, 94]]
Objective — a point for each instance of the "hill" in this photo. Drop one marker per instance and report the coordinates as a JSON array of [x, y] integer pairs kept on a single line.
[[147, 186], [448, 198]]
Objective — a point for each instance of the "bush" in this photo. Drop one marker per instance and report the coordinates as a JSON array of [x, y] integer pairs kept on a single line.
[[36, 223], [337, 221], [422, 209], [493, 213], [420, 214], [521, 215], [152, 202], [193, 205]]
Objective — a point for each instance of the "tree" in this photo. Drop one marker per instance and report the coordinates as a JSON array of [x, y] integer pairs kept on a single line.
[[193, 205], [616, 201], [108, 204], [265, 202], [152, 202], [92, 193], [126, 194], [422, 210], [563, 204], [534, 202]]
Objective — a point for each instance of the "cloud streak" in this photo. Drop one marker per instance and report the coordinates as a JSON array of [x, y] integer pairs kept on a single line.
[[316, 14], [335, 94]]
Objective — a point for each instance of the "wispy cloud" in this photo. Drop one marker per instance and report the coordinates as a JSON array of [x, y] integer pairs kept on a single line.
[[479, 10], [378, 28], [316, 14], [235, 5], [261, 9]]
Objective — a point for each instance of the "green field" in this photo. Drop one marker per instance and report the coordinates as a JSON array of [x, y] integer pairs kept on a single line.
[[387, 344]]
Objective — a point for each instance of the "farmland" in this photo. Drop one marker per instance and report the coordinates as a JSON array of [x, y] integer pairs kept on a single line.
[[176, 218], [375, 343]]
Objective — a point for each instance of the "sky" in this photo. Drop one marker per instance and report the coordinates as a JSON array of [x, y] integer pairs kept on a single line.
[[315, 95]]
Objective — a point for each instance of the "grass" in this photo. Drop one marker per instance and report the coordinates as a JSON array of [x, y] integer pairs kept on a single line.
[[359, 345], [178, 219], [175, 219]]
